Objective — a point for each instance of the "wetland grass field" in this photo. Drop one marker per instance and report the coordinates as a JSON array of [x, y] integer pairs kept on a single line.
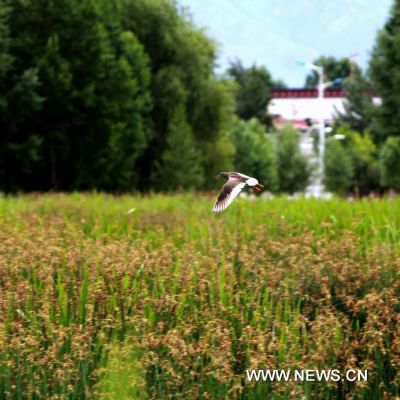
[[171, 301]]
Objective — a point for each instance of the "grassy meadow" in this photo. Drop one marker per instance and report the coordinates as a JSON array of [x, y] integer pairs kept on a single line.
[[171, 301]]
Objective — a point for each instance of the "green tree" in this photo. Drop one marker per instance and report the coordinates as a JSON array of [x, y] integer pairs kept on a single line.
[[389, 163], [363, 154], [180, 166], [93, 78], [338, 168], [385, 74], [292, 166], [5, 56], [333, 68], [19, 100], [182, 59], [217, 156], [358, 108], [91, 88], [253, 92], [217, 111], [254, 152]]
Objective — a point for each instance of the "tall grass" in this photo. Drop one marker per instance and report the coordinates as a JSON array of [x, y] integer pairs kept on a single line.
[[172, 301]]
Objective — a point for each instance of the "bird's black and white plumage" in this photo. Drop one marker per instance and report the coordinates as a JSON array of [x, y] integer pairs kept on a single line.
[[236, 182]]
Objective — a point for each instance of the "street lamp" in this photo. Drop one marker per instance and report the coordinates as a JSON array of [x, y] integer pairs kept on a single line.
[[321, 146]]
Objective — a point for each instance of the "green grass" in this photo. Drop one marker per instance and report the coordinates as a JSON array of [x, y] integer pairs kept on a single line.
[[98, 216], [173, 301]]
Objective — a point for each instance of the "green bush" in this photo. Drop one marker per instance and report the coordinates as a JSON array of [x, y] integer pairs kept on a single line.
[[389, 163], [363, 154], [254, 152], [338, 167], [293, 169], [180, 166]]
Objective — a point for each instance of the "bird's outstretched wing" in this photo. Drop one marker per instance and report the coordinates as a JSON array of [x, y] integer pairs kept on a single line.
[[228, 193]]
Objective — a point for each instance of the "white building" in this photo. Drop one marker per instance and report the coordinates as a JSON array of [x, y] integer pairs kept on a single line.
[[301, 107]]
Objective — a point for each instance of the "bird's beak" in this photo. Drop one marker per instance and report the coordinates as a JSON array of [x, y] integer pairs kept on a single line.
[[258, 187]]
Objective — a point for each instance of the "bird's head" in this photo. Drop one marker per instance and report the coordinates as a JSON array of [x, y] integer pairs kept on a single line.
[[222, 175]]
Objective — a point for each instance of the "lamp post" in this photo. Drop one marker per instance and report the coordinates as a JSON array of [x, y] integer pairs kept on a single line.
[[321, 123]]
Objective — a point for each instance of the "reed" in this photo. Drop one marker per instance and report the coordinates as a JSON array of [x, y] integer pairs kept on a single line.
[[171, 301]]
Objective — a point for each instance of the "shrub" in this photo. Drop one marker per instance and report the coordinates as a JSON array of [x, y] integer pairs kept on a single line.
[[363, 156], [389, 163], [338, 167], [293, 168], [254, 152]]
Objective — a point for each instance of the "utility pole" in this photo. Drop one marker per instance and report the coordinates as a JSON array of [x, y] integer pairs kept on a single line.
[[319, 189]]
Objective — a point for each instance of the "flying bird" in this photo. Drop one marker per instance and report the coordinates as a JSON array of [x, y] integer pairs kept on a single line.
[[236, 182]]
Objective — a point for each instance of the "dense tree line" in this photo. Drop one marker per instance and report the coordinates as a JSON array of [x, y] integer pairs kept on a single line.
[[75, 96], [367, 158], [120, 95], [108, 94], [253, 91]]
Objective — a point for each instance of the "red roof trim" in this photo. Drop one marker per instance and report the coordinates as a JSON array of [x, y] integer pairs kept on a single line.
[[306, 93]]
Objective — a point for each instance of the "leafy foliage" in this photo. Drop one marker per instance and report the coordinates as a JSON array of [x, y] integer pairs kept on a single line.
[[389, 163], [92, 78], [385, 73], [293, 168], [180, 166], [338, 167], [253, 91], [181, 60], [19, 101], [92, 88], [358, 107], [254, 152], [363, 154], [333, 68], [121, 95]]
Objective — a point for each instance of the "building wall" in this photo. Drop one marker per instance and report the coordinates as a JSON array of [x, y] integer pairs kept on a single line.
[[302, 108], [299, 104], [292, 109]]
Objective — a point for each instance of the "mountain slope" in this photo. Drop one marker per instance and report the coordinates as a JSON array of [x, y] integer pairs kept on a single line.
[[276, 34]]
